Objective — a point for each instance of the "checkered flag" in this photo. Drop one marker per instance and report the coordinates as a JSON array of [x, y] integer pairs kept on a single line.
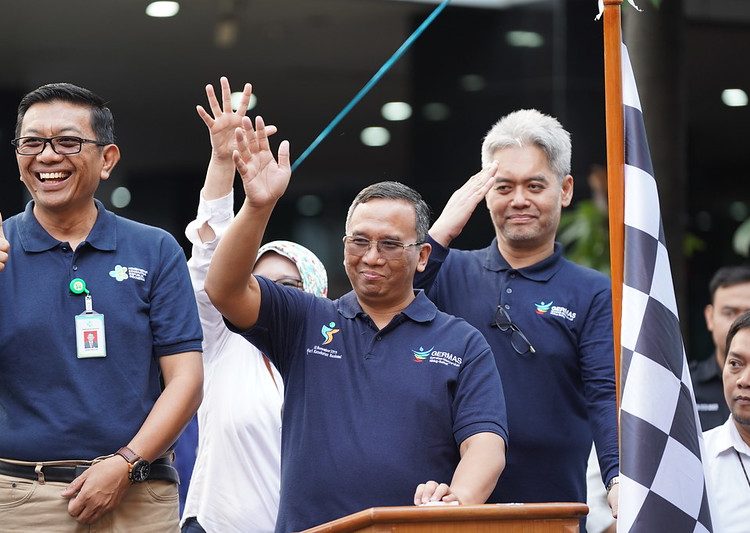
[[662, 487]]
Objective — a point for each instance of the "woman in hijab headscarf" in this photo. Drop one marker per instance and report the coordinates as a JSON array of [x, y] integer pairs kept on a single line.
[[235, 482]]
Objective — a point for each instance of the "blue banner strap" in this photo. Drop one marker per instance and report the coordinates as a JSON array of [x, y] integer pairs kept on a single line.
[[370, 84]]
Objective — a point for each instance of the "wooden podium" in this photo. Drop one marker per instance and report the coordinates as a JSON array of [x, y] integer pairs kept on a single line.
[[488, 518]]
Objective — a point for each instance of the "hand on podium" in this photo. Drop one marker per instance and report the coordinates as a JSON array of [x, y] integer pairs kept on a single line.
[[434, 493]]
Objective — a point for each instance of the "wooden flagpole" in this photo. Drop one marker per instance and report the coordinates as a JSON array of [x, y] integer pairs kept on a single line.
[[615, 166]]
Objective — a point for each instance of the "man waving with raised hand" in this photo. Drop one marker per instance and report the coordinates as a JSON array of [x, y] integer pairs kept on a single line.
[[388, 401]]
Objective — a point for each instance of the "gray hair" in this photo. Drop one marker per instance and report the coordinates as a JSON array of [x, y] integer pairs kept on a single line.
[[393, 190], [530, 127]]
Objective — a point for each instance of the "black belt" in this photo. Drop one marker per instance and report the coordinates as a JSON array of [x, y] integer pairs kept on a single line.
[[161, 469]]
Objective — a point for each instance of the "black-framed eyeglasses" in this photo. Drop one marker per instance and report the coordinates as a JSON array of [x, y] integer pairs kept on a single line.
[[61, 144], [518, 340], [387, 248], [288, 281]]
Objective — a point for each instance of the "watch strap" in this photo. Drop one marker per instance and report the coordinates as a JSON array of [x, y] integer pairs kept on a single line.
[[129, 455], [612, 482]]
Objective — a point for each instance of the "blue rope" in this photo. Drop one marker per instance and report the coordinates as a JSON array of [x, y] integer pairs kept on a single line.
[[370, 84]]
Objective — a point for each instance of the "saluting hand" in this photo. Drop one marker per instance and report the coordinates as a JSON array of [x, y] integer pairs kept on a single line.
[[4, 246], [264, 178], [461, 205]]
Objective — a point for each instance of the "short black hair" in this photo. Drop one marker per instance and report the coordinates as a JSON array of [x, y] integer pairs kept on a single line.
[[727, 277], [102, 121], [740, 323], [393, 190]]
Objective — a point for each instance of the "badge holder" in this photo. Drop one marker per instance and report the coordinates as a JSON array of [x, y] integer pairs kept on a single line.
[[90, 336]]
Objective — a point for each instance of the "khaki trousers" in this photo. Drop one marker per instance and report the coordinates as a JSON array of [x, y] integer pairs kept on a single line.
[[26, 505]]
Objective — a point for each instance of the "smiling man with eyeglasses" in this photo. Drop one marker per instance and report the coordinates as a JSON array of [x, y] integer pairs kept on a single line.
[[388, 400], [548, 320], [92, 405]]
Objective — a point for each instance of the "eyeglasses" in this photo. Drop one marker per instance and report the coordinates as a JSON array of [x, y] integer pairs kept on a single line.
[[388, 249], [518, 340], [289, 282], [62, 144]]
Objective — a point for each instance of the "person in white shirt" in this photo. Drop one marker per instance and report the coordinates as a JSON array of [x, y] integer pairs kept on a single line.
[[235, 482], [728, 446], [599, 519]]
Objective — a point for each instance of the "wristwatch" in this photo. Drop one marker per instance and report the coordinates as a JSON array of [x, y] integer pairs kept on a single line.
[[138, 467], [612, 482]]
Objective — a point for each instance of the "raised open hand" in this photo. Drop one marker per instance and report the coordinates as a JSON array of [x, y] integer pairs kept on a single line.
[[224, 121], [264, 178]]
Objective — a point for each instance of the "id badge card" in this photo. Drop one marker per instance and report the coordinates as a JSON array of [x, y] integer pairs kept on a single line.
[[90, 338]]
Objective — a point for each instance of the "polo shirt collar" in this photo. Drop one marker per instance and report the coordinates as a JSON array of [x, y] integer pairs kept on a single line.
[[34, 238], [103, 235], [421, 309], [541, 271], [730, 439]]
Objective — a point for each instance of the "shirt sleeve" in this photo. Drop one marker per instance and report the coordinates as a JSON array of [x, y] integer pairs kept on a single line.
[[479, 402], [426, 279], [174, 320], [218, 214], [598, 373], [282, 310]]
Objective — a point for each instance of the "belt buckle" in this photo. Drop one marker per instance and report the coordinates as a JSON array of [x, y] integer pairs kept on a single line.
[[39, 473]]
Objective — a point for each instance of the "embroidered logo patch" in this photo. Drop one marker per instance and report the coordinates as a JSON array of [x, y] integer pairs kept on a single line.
[[121, 273], [559, 310], [421, 354], [328, 331], [542, 308], [436, 356], [554, 310]]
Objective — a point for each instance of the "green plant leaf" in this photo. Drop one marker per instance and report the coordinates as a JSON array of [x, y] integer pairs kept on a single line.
[[691, 243], [583, 231]]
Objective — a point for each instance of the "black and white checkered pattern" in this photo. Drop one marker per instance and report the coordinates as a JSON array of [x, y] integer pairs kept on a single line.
[[662, 487]]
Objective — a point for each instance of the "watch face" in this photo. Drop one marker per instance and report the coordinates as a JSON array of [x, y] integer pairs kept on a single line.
[[140, 471]]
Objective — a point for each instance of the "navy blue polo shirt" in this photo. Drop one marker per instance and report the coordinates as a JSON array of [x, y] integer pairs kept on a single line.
[[558, 397], [54, 405], [369, 414]]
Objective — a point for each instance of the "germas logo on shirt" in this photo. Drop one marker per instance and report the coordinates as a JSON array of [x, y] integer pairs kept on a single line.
[[556, 310], [421, 354], [542, 308], [121, 273], [436, 356]]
